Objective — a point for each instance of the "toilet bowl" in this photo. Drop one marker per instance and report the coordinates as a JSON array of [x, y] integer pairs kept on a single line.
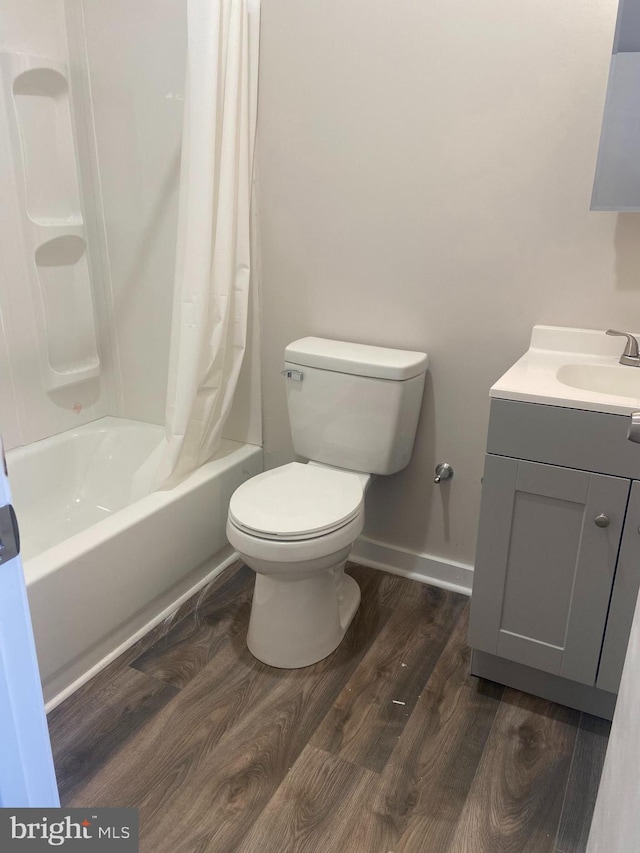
[[295, 526], [353, 412]]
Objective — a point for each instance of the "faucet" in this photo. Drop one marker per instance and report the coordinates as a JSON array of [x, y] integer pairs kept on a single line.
[[631, 355]]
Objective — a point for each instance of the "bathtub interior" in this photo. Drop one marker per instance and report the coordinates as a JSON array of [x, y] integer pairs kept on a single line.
[[69, 482]]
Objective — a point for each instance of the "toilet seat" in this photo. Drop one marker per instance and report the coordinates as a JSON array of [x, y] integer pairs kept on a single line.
[[296, 502]]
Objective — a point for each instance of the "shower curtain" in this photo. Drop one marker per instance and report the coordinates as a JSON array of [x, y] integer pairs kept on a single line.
[[211, 289]]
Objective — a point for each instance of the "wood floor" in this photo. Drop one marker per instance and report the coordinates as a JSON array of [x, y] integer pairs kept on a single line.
[[386, 746]]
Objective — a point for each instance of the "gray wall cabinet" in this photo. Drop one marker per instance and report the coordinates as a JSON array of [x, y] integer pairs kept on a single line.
[[558, 556], [617, 179]]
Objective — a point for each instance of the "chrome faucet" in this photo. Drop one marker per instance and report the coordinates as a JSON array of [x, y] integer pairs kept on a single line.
[[631, 355]]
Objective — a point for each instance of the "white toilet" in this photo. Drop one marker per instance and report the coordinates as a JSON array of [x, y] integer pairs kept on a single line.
[[353, 411]]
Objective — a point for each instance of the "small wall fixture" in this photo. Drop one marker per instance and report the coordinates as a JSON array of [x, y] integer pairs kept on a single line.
[[444, 471]]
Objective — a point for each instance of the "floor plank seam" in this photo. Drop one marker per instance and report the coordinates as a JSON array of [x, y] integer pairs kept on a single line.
[[569, 772], [155, 678], [355, 764], [476, 773]]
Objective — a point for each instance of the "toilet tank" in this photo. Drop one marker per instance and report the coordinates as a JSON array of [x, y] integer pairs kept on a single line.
[[354, 406]]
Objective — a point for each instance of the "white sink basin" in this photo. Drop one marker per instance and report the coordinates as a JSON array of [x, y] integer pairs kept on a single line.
[[574, 368], [608, 379]]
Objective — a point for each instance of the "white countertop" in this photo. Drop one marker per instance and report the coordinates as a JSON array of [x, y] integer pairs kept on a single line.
[[584, 356]]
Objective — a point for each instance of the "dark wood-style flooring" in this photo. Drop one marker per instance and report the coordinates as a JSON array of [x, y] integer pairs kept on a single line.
[[388, 745]]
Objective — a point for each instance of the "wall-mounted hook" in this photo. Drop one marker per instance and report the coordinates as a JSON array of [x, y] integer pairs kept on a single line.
[[444, 471]]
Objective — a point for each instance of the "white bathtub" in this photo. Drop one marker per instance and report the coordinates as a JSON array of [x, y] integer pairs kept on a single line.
[[101, 570]]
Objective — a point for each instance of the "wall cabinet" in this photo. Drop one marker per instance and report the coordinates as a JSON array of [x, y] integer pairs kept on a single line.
[[617, 179], [558, 557]]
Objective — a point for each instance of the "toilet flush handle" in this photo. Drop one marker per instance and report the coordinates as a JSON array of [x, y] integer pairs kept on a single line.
[[296, 375]]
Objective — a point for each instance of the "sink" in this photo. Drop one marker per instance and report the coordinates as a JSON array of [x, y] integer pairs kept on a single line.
[[573, 368], [617, 379]]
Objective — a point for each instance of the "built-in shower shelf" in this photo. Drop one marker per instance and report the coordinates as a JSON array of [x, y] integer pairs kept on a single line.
[[57, 221], [36, 96], [73, 376], [67, 306], [40, 233], [40, 91]]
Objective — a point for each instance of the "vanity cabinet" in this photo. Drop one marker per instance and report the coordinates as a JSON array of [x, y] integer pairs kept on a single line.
[[557, 567], [623, 599]]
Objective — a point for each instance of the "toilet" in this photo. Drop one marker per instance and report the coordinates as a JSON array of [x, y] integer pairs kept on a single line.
[[353, 412]]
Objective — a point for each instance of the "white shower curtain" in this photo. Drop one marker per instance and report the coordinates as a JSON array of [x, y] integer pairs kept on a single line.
[[211, 290]]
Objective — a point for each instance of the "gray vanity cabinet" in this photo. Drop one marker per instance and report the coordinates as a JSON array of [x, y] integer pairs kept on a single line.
[[557, 569], [545, 562], [623, 600]]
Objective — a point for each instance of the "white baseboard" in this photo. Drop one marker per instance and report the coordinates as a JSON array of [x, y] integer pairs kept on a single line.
[[457, 577]]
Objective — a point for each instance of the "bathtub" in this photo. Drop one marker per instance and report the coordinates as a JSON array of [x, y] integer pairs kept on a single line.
[[102, 570]]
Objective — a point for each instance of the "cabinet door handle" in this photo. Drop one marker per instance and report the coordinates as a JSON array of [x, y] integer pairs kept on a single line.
[[602, 520]]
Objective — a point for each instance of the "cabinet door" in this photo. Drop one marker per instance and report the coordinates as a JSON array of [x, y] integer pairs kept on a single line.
[[544, 567], [623, 600]]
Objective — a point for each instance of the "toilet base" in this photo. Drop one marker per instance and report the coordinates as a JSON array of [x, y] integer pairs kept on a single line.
[[296, 623]]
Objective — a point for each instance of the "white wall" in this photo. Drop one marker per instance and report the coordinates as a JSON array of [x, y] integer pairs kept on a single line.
[[426, 171]]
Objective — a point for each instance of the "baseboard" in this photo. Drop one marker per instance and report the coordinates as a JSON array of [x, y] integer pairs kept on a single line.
[[208, 572], [457, 577]]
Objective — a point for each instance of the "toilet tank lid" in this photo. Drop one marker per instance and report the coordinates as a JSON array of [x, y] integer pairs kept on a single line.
[[356, 359]]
